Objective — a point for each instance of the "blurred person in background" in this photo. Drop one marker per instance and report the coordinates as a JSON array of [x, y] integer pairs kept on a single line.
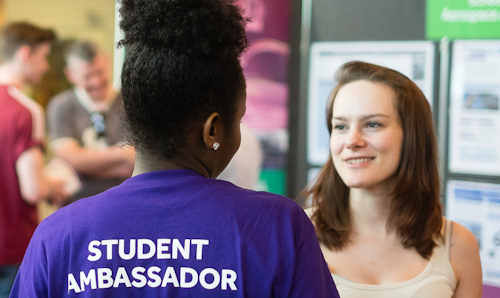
[[23, 61], [172, 229], [376, 204], [84, 122]]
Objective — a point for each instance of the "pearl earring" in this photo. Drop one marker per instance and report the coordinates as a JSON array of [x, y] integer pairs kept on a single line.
[[215, 146]]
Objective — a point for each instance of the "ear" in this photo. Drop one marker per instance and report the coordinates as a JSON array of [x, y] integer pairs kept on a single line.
[[212, 129], [23, 53], [69, 75]]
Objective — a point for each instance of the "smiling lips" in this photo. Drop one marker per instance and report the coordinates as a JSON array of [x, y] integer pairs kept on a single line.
[[358, 161]]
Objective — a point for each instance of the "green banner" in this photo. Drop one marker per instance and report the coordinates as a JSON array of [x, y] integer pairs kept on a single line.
[[273, 181], [463, 19]]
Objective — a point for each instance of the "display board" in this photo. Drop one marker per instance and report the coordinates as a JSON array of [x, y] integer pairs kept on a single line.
[[477, 207], [473, 172], [415, 59], [474, 122]]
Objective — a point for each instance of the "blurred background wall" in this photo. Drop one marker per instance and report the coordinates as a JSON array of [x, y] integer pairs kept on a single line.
[[75, 19], [87, 19]]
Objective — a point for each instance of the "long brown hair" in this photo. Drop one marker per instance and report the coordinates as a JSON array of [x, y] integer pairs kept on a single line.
[[415, 208]]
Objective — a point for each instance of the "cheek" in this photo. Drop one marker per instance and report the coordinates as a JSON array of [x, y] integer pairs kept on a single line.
[[335, 151], [236, 137], [390, 146], [388, 142], [238, 142], [335, 145]]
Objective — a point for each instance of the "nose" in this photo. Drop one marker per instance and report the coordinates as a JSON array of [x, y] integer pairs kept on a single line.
[[355, 139]]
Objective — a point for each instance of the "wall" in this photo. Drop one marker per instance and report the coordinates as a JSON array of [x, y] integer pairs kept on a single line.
[[89, 19]]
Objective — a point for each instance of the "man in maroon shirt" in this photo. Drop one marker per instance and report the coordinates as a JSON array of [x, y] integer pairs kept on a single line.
[[23, 60]]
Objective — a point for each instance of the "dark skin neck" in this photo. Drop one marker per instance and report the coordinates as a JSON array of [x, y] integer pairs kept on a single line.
[[146, 162], [195, 155]]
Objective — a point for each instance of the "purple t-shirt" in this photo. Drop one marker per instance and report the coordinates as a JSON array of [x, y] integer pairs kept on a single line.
[[175, 234]]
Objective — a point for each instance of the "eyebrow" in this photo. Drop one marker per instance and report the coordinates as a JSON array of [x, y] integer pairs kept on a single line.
[[362, 117]]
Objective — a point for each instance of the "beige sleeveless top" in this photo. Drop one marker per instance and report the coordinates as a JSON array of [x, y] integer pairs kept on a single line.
[[437, 280]]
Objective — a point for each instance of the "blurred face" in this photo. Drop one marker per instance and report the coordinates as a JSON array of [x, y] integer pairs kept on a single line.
[[36, 64], [93, 77], [366, 137]]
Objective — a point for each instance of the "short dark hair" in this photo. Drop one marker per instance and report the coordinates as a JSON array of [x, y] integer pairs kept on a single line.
[[18, 34], [82, 49], [415, 213], [181, 65]]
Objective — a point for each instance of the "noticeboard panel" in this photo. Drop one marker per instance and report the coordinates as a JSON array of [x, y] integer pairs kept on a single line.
[[474, 122]]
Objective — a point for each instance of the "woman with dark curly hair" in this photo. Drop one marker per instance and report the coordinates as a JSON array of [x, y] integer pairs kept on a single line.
[[172, 230], [376, 201]]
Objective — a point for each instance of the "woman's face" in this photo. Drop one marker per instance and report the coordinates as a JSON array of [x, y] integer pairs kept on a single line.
[[366, 137]]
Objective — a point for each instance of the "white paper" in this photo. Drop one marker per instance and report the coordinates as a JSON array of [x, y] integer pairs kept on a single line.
[[477, 207], [474, 108], [415, 59]]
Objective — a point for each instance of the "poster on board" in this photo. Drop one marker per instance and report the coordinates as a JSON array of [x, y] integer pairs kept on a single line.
[[415, 59], [475, 108], [477, 207]]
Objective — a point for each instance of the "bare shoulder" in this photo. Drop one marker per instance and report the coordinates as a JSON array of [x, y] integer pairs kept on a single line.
[[465, 260], [462, 240]]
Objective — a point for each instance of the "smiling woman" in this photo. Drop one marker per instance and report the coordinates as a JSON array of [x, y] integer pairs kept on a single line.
[[367, 135], [376, 204]]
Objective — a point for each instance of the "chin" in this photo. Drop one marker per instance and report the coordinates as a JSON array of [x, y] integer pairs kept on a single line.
[[357, 184], [355, 181], [373, 185], [361, 181], [98, 97]]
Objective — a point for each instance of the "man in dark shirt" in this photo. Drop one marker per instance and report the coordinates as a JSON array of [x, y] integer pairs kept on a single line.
[[85, 124]]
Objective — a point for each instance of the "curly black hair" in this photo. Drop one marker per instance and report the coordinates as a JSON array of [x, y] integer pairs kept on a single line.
[[181, 65]]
